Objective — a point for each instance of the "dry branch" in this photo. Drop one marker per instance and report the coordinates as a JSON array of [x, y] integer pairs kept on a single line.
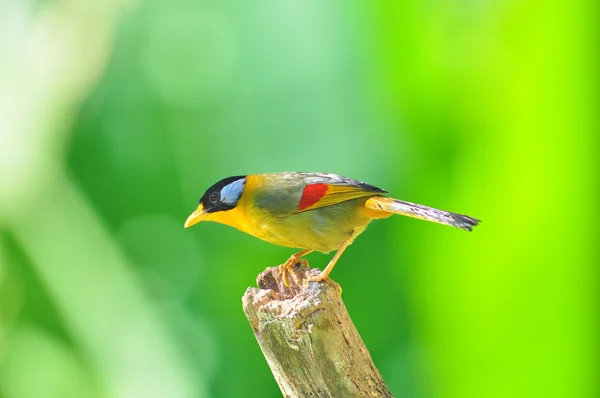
[[308, 338]]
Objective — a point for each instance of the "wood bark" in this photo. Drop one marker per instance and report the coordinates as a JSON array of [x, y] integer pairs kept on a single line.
[[308, 338]]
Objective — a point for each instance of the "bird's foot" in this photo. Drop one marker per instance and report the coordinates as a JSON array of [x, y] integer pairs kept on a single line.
[[322, 277], [288, 268], [319, 278]]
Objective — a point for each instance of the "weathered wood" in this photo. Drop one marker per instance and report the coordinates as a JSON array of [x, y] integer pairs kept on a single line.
[[308, 338]]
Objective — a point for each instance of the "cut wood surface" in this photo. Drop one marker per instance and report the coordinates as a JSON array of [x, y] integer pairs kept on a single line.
[[308, 338]]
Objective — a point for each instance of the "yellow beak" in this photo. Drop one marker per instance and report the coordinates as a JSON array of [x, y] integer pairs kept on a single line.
[[198, 215]]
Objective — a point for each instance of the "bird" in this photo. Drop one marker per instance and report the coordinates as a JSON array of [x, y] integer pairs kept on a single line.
[[320, 212]]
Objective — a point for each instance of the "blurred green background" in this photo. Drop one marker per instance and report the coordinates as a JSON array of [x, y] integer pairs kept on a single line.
[[115, 116]]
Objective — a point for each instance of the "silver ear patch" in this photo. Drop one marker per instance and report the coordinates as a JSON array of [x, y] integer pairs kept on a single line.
[[230, 194]]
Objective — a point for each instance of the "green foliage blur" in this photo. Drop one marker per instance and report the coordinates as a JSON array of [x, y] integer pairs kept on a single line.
[[115, 116]]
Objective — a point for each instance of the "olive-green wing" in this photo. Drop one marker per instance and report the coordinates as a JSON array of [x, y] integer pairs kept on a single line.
[[292, 192], [321, 189]]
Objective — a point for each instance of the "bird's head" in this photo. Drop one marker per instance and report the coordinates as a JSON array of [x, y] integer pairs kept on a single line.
[[217, 201]]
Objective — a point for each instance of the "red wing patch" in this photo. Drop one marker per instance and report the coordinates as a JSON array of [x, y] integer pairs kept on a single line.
[[312, 194]]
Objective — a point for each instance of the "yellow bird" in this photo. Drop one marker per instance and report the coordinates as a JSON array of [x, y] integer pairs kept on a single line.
[[309, 211]]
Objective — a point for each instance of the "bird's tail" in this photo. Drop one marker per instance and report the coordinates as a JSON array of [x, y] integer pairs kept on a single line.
[[409, 209]]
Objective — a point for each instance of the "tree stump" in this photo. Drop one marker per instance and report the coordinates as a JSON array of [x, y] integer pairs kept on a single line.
[[308, 338]]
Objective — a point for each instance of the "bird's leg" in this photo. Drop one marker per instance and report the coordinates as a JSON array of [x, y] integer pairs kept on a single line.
[[325, 274], [286, 267]]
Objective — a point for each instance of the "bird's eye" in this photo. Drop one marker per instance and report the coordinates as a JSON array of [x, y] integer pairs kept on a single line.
[[214, 197]]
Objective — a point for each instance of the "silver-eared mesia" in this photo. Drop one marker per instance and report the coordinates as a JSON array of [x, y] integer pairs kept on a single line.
[[309, 211]]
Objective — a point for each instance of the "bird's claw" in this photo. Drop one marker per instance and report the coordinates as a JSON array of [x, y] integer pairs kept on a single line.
[[288, 268], [313, 279], [322, 278]]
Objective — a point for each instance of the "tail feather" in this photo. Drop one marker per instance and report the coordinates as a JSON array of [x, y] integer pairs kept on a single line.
[[422, 212]]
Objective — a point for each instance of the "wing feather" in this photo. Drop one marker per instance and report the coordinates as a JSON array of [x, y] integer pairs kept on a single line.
[[324, 189], [286, 193]]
